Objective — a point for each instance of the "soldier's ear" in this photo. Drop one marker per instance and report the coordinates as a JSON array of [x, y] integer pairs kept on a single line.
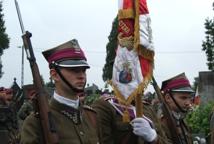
[[54, 74], [167, 98]]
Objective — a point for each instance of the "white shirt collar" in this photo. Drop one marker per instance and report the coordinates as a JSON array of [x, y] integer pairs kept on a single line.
[[66, 101]]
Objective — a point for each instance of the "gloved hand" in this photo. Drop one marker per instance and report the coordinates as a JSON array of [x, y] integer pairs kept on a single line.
[[143, 127]]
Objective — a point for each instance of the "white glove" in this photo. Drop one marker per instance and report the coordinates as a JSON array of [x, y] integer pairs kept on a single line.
[[142, 127]]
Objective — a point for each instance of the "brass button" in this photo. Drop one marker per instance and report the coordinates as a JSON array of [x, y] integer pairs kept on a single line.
[[81, 133]]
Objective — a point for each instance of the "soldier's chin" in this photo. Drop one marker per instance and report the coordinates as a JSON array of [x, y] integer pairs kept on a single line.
[[185, 110], [80, 87]]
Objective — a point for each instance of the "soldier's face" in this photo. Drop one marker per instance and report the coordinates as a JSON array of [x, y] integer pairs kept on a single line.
[[184, 100], [75, 76], [8, 98]]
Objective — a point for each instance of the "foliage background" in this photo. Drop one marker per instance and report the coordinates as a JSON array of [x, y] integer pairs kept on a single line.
[[208, 43], [199, 119], [4, 39]]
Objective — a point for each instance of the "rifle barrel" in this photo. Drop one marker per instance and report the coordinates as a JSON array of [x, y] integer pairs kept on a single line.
[[48, 128], [167, 112], [20, 17]]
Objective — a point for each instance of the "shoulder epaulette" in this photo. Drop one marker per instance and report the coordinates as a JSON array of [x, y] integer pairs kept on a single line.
[[91, 113], [87, 107], [105, 98]]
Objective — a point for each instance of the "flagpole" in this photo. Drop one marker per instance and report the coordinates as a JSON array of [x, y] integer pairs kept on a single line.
[[138, 99], [138, 105]]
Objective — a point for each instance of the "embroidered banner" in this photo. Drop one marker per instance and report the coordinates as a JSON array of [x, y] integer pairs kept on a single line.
[[134, 60]]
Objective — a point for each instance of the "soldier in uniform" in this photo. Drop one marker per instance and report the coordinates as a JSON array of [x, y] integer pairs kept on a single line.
[[178, 95], [8, 117], [112, 130], [73, 121], [28, 105], [5, 98]]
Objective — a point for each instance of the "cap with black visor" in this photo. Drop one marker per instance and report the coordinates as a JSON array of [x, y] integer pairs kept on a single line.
[[177, 84], [66, 55]]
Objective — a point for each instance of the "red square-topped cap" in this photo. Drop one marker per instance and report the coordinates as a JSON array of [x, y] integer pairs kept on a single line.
[[179, 83]]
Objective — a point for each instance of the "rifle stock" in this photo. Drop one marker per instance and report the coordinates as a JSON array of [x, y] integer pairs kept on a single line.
[[46, 121], [167, 112], [49, 131]]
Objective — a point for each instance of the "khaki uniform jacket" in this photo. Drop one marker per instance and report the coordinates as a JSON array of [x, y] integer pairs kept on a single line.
[[67, 131], [111, 129], [186, 134]]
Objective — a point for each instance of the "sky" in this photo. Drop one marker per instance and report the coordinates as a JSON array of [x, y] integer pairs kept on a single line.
[[177, 26]]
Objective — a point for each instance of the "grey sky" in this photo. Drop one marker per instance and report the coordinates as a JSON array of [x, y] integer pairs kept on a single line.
[[178, 31]]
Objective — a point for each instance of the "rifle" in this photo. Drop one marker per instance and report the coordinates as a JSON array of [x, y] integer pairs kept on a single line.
[[167, 112], [45, 116]]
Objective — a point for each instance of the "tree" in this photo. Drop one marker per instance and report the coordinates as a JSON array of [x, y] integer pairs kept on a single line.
[[199, 119], [110, 51], [4, 39], [208, 44]]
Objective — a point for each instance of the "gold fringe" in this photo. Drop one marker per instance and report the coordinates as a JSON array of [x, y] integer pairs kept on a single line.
[[146, 53], [126, 116], [136, 25], [139, 90], [136, 46], [119, 96], [127, 13], [126, 41]]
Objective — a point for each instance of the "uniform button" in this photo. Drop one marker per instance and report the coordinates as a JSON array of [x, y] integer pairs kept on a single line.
[[81, 133]]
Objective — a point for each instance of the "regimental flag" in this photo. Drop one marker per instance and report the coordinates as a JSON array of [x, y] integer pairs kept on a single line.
[[197, 99], [133, 66]]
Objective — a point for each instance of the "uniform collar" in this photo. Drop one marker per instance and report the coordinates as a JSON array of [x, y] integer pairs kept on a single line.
[[68, 111], [179, 115], [66, 101]]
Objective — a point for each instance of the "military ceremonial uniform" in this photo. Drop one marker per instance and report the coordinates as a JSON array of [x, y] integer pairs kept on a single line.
[[177, 94], [9, 129], [183, 130], [72, 126], [111, 129], [4, 131], [25, 109]]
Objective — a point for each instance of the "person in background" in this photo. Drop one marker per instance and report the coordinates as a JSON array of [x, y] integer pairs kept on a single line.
[[178, 94], [9, 129], [5, 114], [28, 105], [73, 121], [6, 95]]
